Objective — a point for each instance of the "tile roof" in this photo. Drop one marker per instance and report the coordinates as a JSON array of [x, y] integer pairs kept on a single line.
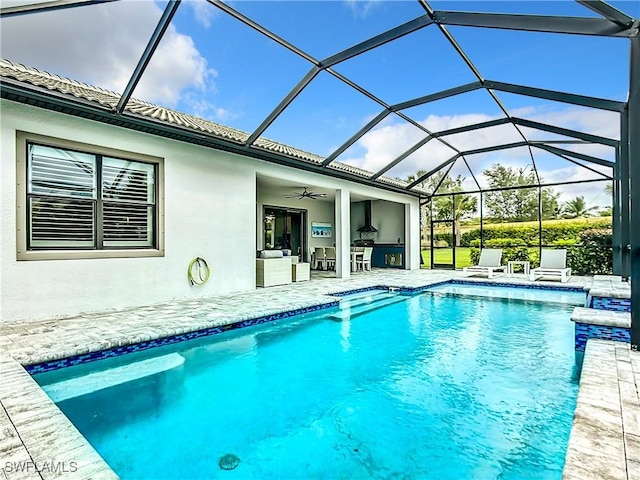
[[109, 100]]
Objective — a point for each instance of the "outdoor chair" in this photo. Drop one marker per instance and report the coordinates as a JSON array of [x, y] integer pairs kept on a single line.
[[319, 258], [364, 262], [330, 257], [489, 264], [553, 264]]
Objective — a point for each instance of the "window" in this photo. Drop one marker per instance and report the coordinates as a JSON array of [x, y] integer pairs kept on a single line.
[[80, 202]]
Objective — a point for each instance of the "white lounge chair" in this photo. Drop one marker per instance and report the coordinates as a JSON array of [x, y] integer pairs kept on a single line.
[[489, 264], [553, 264]]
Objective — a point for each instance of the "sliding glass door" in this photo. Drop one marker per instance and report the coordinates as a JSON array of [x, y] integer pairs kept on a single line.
[[284, 228]]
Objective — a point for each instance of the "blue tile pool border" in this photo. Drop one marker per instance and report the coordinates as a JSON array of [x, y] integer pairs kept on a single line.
[[585, 331], [523, 286], [609, 303], [422, 288], [136, 347], [346, 293]]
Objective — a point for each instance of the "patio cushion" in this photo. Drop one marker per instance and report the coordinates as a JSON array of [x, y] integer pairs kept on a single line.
[[271, 254]]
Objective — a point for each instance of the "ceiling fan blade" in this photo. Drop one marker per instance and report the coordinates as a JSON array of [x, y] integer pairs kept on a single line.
[[305, 194]]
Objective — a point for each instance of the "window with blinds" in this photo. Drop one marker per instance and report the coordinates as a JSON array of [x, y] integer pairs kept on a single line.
[[79, 200]]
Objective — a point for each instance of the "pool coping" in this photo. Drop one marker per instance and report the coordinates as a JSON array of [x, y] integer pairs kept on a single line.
[[111, 352], [67, 361], [38, 441], [605, 433], [607, 318], [84, 455]]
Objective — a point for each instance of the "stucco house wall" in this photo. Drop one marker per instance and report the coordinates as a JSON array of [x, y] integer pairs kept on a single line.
[[389, 217], [211, 210], [386, 216]]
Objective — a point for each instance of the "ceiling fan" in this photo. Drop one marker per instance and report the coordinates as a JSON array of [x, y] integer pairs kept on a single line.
[[305, 194]]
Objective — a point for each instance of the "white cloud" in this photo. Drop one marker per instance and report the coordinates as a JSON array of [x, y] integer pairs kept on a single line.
[[386, 143], [362, 8], [596, 122], [203, 11], [593, 192], [176, 65], [204, 109], [101, 45], [437, 123]]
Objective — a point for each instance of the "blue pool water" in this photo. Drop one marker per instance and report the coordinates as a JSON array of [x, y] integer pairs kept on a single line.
[[435, 385]]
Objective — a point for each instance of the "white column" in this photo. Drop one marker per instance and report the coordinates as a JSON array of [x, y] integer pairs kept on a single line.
[[343, 233], [412, 235]]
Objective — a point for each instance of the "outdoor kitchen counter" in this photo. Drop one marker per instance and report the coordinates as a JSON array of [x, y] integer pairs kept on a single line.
[[388, 255]]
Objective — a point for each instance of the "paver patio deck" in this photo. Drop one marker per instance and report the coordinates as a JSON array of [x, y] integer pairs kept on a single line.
[[34, 431]]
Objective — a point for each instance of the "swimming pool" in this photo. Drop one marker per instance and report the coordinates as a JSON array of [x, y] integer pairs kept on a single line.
[[434, 385]]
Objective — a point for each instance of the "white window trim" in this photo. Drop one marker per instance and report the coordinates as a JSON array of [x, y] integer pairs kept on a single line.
[[22, 253]]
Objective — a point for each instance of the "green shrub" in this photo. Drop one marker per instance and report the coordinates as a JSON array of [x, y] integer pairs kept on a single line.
[[569, 242], [443, 239], [588, 253], [530, 233], [594, 253], [534, 257], [513, 249]]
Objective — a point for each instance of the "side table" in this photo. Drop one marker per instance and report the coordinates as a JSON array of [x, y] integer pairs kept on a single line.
[[525, 267], [300, 272]]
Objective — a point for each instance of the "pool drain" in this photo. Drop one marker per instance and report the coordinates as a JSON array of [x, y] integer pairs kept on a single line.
[[228, 461]]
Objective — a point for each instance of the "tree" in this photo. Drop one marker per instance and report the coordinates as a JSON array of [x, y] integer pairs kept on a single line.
[[550, 208], [445, 208], [607, 211], [608, 189], [577, 207], [425, 223], [519, 204]]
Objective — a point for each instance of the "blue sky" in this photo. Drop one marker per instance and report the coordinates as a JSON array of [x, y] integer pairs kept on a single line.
[[213, 66]]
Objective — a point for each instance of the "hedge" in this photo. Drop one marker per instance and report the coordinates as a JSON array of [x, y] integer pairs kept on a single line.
[[444, 239], [594, 256], [513, 249], [551, 232], [590, 254]]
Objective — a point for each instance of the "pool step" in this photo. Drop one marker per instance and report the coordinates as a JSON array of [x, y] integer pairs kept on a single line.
[[366, 300], [365, 294], [92, 382], [511, 295], [349, 312]]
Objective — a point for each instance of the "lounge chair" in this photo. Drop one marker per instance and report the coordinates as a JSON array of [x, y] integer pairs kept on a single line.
[[553, 264], [489, 264]]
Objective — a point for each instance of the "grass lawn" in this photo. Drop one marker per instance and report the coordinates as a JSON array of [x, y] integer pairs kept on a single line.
[[463, 257], [445, 255]]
